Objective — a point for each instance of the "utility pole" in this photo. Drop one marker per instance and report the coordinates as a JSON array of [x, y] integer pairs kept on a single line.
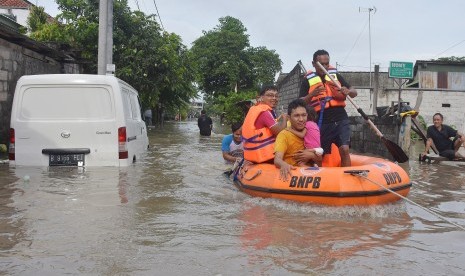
[[369, 10], [105, 38]]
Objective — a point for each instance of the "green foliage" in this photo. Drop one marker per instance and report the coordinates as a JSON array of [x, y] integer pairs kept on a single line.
[[154, 62], [229, 105], [264, 63], [226, 62], [452, 58], [413, 134], [158, 65], [37, 18]]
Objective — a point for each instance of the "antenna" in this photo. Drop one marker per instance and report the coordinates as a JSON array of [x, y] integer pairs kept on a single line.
[[369, 10]]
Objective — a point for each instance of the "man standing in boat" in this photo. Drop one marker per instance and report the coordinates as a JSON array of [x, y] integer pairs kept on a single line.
[[288, 144], [261, 127], [440, 135], [329, 102]]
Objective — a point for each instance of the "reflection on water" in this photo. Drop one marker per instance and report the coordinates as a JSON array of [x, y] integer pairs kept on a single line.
[[321, 236], [174, 213]]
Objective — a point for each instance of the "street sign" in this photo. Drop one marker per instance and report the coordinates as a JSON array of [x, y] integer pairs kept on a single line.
[[401, 70]]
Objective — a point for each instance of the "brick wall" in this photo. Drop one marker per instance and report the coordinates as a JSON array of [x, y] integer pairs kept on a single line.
[[364, 139], [289, 88]]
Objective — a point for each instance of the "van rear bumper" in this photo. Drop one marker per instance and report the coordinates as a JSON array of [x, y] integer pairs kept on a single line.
[[66, 151]]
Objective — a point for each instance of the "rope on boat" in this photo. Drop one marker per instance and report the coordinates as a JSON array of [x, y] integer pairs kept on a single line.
[[363, 174], [257, 173]]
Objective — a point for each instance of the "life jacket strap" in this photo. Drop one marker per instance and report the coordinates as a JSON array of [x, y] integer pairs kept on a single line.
[[263, 143], [323, 104]]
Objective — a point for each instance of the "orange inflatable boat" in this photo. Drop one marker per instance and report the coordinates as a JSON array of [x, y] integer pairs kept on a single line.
[[368, 181]]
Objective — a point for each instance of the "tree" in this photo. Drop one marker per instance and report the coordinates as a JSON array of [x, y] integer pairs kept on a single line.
[[37, 18], [227, 63], [230, 106], [264, 63], [154, 62]]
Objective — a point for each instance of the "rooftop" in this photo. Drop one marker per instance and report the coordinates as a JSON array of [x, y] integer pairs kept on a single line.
[[19, 4]]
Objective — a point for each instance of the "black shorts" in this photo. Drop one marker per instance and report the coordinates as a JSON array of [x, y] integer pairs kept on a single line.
[[335, 132], [449, 154]]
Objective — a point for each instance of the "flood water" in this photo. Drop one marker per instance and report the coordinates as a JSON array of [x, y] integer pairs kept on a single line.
[[174, 213]]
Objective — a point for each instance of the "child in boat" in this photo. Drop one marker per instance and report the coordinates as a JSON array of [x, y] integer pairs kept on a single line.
[[311, 135]]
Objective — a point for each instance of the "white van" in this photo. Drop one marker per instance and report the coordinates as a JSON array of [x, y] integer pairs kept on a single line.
[[75, 120]]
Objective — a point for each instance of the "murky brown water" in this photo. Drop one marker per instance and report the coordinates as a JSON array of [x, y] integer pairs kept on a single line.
[[174, 213]]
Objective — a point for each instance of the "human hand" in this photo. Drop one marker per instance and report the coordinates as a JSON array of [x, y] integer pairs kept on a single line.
[[344, 90], [284, 171], [318, 91], [283, 116], [303, 156]]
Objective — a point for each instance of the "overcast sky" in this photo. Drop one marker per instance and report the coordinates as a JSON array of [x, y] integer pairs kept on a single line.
[[406, 30]]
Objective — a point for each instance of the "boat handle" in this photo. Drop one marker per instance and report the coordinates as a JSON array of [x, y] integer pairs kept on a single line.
[[359, 172]]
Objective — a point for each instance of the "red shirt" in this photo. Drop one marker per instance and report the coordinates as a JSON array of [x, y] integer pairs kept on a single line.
[[265, 119]]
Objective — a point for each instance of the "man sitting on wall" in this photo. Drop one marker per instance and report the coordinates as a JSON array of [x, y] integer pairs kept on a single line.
[[440, 135]]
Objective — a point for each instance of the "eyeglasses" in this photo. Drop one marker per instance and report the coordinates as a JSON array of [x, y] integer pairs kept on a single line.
[[276, 96]]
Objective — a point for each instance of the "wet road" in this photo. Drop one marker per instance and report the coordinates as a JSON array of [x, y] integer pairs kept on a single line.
[[174, 213]]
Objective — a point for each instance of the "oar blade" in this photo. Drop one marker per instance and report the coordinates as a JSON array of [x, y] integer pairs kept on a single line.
[[396, 151]]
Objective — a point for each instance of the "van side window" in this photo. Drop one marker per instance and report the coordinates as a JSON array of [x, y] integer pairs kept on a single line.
[[127, 104], [135, 108], [140, 108]]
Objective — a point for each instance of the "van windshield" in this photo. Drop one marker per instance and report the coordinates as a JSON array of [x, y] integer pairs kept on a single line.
[[67, 103]]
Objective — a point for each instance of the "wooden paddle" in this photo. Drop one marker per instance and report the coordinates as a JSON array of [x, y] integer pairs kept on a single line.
[[396, 151]]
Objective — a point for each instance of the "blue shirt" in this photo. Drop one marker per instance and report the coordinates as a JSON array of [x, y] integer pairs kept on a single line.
[[230, 146]]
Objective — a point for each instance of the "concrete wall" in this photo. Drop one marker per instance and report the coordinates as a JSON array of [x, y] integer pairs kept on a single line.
[[362, 79], [451, 103], [16, 61]]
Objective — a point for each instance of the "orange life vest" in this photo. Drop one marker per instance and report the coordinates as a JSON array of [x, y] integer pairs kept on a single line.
[[258, 143], [331, 97], [332, 159]]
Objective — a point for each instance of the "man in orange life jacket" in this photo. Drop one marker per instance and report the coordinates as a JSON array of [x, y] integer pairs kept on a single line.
[[261, 127], [329, 102]]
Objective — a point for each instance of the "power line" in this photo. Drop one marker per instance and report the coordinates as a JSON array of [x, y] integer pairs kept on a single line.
[[355, 43], [456, 44], [369, 31], [159, 17]]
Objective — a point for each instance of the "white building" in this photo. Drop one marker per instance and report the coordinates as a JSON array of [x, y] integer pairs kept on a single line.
[[17, 10]]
